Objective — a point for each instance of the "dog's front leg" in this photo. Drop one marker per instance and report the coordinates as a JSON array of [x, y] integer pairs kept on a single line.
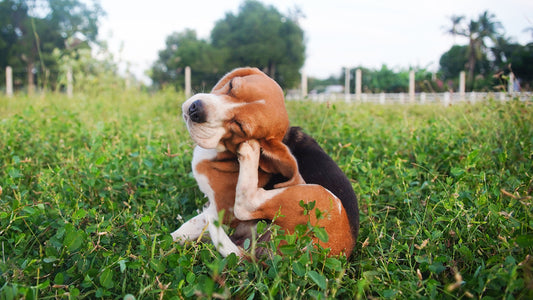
[[207, 220], [249, 198], [192, 229], [219, 237]]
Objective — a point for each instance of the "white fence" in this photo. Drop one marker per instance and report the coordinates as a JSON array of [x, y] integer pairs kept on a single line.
[[382, 98], [405, 98], [446, 99]]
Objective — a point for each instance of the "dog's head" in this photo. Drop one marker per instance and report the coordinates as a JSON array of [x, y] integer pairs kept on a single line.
[[245, 104]]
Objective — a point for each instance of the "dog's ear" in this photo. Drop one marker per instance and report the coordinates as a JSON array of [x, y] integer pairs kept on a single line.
[[239, 72], [277, 158]]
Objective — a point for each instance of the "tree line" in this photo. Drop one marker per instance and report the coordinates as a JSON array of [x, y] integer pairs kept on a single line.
[[487, 65], [37, 38], [41, 38], [488, 57], [258, 35]]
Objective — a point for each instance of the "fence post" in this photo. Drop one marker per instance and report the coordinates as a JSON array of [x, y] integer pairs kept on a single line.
[[422, 98], [304, 84], [358, 78], [382, 98], [9, 81], [187, 82], [472, 97], [510, 83], [31, 81], [462, 85], [69, 82], [446, 99], [412, 86], [347, 84]]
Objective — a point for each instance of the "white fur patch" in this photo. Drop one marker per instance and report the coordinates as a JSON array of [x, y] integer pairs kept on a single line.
[[200, 154], [208, 133]]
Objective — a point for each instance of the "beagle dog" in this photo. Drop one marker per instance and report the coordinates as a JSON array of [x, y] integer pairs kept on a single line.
[[243, 123]]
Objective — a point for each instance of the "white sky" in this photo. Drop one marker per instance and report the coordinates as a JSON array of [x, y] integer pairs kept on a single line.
[[338, 32]]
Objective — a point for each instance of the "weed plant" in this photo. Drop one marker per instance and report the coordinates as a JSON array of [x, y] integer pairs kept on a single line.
[[92, 187]]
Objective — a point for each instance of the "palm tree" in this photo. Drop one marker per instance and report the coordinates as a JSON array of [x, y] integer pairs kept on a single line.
[[502, 51], [477, 31], [456, 22]]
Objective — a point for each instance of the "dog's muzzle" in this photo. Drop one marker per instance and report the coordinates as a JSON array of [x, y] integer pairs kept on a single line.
[[197, 112]]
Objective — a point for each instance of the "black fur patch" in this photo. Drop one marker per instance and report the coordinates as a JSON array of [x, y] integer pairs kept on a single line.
[[317, 167]]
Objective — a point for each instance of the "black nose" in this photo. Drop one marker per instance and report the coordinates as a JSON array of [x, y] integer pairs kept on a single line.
[[197, 112]]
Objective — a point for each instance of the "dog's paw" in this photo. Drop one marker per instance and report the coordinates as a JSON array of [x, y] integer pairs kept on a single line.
[[177, 238], [181, 237], [249, 149]]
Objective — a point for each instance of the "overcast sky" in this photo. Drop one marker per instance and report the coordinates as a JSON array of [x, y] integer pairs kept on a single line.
[[338, 32]]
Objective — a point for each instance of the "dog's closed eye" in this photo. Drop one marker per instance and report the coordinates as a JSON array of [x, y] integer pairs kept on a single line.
[[234, 87], [239, 126], [230, 87]]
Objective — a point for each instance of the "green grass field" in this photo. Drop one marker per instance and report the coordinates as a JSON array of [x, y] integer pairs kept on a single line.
[[92, 187]]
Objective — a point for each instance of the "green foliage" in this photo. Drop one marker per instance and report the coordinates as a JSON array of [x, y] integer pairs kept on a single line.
[[382, 80], [258, 36], [442, 193], [483, 62], [261, 36], [30, 32], [476, 32], [320, 85], [386, 80], [182, 50], [519, 58], [92, 186], [91, 76], [453, 62]]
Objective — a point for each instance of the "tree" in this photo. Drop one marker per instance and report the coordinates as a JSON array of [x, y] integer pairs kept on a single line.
[[316, 85], [453, 61], [261, 36], [72, 17], [31, 30], [476, 31], [257, 36], [185, 49], [513, 57], [12, 19], [519, 62], [523, 63], [383, 80]]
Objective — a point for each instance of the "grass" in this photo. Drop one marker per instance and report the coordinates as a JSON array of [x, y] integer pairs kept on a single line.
[[92, 187]]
